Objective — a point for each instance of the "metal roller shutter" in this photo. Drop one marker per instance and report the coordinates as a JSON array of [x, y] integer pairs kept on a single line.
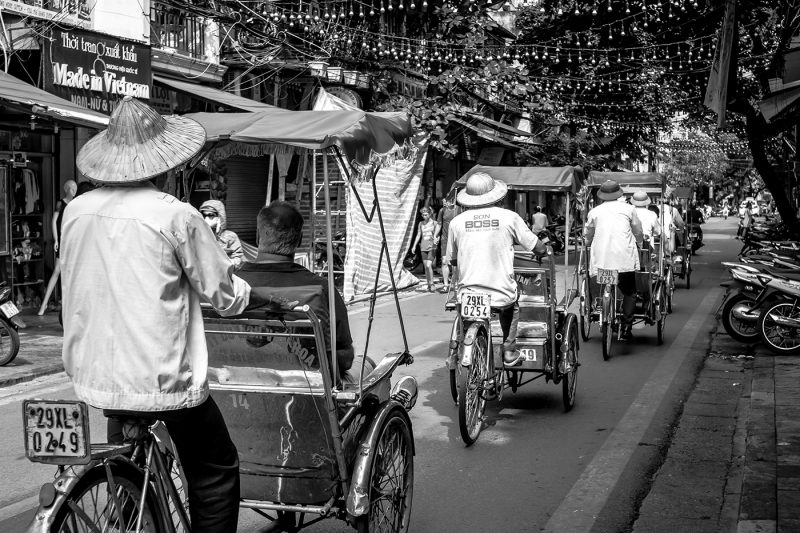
[[247, 194]]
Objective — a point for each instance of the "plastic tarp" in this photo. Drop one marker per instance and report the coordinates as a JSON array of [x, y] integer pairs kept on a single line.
[[358, 134], [43, 103], [562, 179], [644, 179], [213, 95]]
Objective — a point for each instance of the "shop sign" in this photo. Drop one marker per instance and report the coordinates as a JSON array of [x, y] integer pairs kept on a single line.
[[71, 12], [95, 71]]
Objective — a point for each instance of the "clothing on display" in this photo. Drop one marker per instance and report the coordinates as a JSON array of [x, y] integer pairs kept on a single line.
[[27, 194]]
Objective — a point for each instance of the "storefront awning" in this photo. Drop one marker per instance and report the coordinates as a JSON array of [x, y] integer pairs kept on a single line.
[[484, 134], [43, 103], [213, 95]]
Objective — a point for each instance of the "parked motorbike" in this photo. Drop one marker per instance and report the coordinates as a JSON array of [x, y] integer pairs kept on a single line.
[[10, 323], [779, 322], [339, 251], [554, 233]]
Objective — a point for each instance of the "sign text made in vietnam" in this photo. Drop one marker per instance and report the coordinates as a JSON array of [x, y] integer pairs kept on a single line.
[[95, 71]]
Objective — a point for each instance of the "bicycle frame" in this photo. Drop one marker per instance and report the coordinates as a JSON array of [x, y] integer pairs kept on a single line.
[[154, 472]]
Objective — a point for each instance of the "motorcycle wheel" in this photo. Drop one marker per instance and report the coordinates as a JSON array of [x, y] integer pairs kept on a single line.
[[9, 342], [741, 331], [780, 339]]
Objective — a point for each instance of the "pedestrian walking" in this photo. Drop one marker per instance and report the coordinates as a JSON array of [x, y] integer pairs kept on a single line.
[[427, 241], [446, 214]]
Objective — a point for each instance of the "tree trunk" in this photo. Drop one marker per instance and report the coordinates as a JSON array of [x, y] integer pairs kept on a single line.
[[757, 135]]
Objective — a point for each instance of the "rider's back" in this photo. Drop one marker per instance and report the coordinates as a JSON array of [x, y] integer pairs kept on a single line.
[[482, 241]]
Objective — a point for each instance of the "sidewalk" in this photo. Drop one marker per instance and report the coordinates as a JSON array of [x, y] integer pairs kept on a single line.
[[39, 352], [734, 461]]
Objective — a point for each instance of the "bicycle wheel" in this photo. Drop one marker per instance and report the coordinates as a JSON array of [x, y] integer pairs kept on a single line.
[[585, 317], [608, 340], [471, 401], [670, 289], [456, 370], [607, 325], [391, 484], [9, 343], [569, 379], [92, 505], [688, 274], [778, 330]]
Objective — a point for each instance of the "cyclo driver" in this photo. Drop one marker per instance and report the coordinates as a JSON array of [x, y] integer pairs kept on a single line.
[[614, 230], [481, 244]]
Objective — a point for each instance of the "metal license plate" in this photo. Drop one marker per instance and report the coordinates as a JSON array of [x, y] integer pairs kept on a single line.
[[56, 431], [475, 305], [9, 309], [606, 276], [528, 354]]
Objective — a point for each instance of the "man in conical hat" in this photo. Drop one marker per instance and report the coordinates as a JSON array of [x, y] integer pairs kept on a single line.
[[136, 263]]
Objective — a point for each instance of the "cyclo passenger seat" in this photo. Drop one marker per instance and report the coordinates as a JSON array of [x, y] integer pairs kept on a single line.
[[270, 375]]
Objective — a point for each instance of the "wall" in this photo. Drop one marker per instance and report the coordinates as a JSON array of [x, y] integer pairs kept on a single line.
[[125, 19]]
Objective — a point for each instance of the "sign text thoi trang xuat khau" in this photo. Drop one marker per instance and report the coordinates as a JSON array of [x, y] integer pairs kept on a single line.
[[95, 70]]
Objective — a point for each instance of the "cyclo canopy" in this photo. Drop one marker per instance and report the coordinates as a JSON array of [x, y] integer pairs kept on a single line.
[[359, 135], [558, 179], [652, 182]]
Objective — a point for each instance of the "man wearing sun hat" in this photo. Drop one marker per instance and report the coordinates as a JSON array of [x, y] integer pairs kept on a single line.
[[482, 240], [651, 227], [136, 263], [613, 229]]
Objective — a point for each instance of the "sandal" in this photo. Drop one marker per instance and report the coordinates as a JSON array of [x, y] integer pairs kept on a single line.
[[445, 289], [430, 288]]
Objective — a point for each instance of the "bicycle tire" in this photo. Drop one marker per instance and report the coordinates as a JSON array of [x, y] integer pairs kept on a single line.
[[585, 317], [9, 342], [90, 496], [569, 380], [471, 400], [391, 475]]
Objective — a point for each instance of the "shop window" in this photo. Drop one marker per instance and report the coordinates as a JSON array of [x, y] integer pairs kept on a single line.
[[175, 28]]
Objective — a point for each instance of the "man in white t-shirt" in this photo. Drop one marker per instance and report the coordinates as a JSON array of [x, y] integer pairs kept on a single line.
[[651, 227], [539, 221], [481, 244], [613, 230]]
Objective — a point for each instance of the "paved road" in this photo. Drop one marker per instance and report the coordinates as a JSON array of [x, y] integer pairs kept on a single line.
[[534, 467]]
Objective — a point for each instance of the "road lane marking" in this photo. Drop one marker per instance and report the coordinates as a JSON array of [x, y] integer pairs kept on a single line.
[[35, 388], [589, 495], [19, 507]]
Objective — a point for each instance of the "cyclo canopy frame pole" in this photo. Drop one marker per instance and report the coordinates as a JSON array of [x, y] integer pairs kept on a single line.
[[376, 208]]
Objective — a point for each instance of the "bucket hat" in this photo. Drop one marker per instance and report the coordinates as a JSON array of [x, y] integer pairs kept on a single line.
[[139, 144], [609, 190], [482, 190], [640, 199]]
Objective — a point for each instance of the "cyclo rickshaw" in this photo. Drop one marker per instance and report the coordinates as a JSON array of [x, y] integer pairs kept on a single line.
[[309, 444], [600, 301], [682, 260], [547, 334]]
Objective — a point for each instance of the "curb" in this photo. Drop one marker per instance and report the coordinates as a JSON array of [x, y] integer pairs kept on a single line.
[[46, 370]]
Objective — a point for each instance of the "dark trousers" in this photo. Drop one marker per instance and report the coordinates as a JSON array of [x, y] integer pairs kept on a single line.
[[509, 321], [626, 283], [208, 457]]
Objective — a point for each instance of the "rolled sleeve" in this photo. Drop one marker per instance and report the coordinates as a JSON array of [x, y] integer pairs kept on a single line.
[[524, 236]]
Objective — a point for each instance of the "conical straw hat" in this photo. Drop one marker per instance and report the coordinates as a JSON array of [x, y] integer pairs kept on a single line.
[[139, 144]]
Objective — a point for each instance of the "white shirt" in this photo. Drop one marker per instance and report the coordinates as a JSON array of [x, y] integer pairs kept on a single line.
[[482, 241], [651, 226], [135, 265], [672, 222], [613, 229], [539, 222]]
